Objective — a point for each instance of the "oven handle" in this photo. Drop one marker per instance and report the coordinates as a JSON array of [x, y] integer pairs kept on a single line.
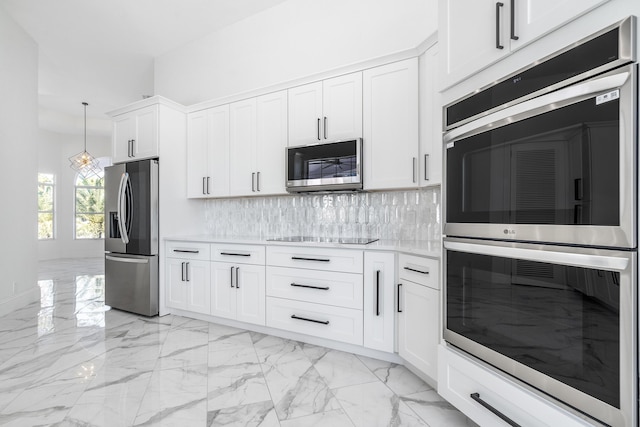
[[554, 257], [542, 104]]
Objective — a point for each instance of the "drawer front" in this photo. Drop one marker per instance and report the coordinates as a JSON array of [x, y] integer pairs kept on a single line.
[[324, 321], [459, 377], [238, 254], [329, 287], [188, 250], [423, 271], [344, 260]]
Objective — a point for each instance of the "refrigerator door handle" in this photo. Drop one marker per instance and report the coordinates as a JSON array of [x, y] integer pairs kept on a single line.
[[122, 214], [131, 260]]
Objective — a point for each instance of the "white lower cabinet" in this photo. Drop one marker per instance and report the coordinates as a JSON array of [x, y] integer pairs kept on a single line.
[[378, 309], [462, 381], [319, 320], [188, 274], [418, 309], [238, 292]]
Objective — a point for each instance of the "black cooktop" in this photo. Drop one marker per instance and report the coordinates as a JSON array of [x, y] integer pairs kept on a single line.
[[343, 240]]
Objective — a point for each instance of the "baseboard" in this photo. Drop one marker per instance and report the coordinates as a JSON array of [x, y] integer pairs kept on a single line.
[[19, 301]]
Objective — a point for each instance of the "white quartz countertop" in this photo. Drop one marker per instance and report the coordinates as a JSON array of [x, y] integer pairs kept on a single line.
[[427, 248]]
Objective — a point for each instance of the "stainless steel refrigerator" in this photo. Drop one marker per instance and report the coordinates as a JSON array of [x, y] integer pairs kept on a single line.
[[131, 237]]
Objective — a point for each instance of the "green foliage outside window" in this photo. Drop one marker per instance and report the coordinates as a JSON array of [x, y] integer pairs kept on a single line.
[[89, 207], [46, 186]]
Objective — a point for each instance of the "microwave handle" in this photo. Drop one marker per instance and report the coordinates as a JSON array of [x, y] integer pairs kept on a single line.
[[554, 257]]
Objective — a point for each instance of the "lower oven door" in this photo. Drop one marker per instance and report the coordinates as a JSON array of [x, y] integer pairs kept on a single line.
[[562, 319]]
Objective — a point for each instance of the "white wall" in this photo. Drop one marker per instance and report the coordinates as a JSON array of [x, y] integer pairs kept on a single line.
[[294, 39], [18, 165], [54, 152]]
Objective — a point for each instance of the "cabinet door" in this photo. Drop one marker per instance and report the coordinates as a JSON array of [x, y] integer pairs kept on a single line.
[[390, 103], [342, 108], [124, 129], [177, 287], [145, 144], [218, 151], [223, 291], [242, 131], [305, 111], [467, 34], [271, 143], [430, 169], [198, 281], [534, 18], [250, 293], [418, 326], [379, 307], [197, 149]]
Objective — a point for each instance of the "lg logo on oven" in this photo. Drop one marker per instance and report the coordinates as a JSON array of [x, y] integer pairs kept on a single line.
[[509, 232]]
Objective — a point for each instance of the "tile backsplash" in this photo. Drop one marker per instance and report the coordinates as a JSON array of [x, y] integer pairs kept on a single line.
[[396, 215]]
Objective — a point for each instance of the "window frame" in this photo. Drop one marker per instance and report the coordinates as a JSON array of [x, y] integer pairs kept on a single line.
[[76, 214], [53, 205]]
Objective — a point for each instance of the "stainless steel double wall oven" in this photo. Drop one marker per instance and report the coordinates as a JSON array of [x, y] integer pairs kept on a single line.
[[540, 247]]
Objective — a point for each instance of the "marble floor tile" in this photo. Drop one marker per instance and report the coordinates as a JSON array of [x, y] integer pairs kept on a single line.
[[70, 361]]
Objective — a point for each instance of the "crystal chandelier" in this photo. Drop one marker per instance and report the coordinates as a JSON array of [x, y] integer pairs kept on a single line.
[[84, 163]]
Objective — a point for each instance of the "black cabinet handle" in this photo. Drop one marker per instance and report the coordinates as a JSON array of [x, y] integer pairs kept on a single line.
[[416, 271], [208, 178], [399, 284], [322, 288], [426, 167], [232, 276], [298, 258], [498, 6], [513, 20], [233, 254], [258, 181], [306, 319], [503, 417], [237, 281], [186, 251], [253, 181], [204, 185], [318, 128], [377, 292], [325, 128], [187, 279], [133, 147], [182, 272]]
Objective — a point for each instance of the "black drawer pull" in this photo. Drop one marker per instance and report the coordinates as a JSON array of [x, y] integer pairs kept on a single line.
[[416, 271], [324, 322], [323, 288], [503, 417], [233, 254], [186, 251], [298, 258]]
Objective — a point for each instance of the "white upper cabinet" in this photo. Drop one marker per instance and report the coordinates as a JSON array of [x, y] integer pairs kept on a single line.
[[135, 135], [258, 137], [325, 111], [390, 126], [430, 169], [475, 34], [208, 153]]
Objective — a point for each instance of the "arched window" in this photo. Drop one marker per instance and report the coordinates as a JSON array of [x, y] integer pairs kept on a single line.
[[89, 207]]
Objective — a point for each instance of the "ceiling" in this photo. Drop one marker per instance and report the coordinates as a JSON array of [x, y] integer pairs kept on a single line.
[[102, 52]]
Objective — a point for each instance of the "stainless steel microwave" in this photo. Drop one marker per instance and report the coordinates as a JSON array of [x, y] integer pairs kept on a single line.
[[333, 166]]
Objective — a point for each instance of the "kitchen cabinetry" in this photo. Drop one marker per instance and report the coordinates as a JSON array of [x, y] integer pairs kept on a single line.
[[238, 283], [258, 135], [325, 111], [476, 34], [208, 153], [430, 169], [315, 291], [418, 302], [378, 310], [188, 276], [390, 125], [460, 377], [135, 135]]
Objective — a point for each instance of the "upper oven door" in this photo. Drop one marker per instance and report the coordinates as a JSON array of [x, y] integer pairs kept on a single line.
[[557, 168]]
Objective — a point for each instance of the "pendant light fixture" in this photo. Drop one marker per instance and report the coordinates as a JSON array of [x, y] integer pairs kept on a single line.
[[84, 163]]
